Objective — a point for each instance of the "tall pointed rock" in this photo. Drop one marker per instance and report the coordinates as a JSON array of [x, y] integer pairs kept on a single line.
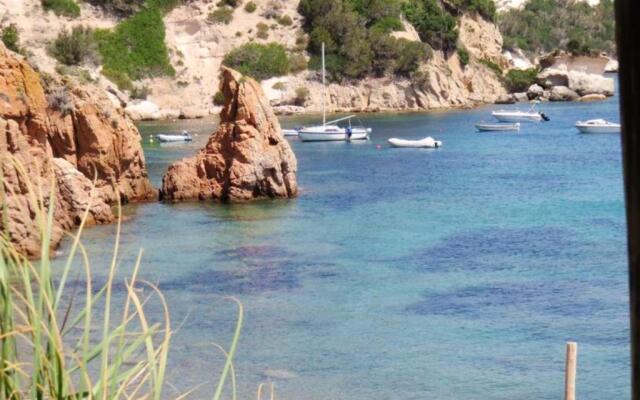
[[246, 158]]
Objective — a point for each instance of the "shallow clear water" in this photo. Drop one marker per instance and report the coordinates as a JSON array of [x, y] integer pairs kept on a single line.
[[456, 273]]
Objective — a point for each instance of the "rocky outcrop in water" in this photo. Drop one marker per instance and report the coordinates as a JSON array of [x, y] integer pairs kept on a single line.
[[65, 134], [245, 159]]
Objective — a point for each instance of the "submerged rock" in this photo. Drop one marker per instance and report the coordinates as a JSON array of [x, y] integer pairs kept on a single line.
[[246, 158]]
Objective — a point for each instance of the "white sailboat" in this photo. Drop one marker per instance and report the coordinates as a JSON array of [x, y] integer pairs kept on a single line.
[[330, 131]]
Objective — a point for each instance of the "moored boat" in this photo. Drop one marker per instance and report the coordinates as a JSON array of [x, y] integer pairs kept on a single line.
[[428, 142], [485, 127], [532, 115], [290, 132], [598, 126], [330, 131], [184, 136]]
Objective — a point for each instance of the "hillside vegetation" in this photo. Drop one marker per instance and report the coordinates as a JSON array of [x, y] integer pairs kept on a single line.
[[547, 25]]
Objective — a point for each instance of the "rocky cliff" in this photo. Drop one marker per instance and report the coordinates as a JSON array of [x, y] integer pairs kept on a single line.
[[245, 159], [68, 135]]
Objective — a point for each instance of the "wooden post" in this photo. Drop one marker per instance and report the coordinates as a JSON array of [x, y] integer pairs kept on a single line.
[[570, 372]]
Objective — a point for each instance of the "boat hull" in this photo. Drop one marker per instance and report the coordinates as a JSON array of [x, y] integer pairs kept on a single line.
[[172, 138], [498, 127], [598, 129], [318, 136], [523, 117], [427, 143], [290, 132]]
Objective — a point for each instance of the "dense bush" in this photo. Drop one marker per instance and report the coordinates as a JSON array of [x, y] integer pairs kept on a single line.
[[492, 66], [136, 47], [140, 92], [302, 94], [298, 62], [218, 98], [221, 15], [75, 47], [263, 30], [435, 25], [546, 25], [260, 61], [357, 39], [285, 20], [68, 8], [11, 37], [128, 7], [250, 7], [486, 8], [463, 55], [520, 80]]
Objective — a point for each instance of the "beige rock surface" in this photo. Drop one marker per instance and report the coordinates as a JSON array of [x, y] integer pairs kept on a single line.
[[246, 158]]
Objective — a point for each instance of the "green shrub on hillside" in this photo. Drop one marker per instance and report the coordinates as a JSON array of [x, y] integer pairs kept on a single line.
[[128, 7], [250, 7], [11, 37], [486, 8], [387, 24], [356, 34], [68, 8], [434, 24], [136, 47], [285, 20], [221, 15], [218, 98], [260, 61], [547, 25], [263, 30], [520, 80], [75, 47], [463, 55], [492, 66], [302, 94]]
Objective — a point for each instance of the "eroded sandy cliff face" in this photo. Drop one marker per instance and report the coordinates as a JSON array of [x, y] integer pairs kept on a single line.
[[246, 158], [197, 47], [442, 82], [62, 136]]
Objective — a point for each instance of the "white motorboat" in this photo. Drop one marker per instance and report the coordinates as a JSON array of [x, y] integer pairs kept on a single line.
[[484, 127], [290, 132], [598, 126], [330, 131], [184, 136], [428, 142], [532, 115]]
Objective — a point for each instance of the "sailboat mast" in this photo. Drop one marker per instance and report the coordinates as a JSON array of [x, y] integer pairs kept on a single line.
[[324, 90]]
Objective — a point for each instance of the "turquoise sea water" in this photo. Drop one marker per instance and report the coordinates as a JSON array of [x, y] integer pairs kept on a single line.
[[456, 273]]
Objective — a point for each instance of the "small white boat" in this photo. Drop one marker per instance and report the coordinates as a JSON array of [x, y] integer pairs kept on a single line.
[[290, 132], [483, 127], [184, 136], [428, 142], [532, 115], [598, 126]]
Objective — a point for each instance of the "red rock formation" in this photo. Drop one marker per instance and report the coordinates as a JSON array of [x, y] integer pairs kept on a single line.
[[246, 158], [67, 135]]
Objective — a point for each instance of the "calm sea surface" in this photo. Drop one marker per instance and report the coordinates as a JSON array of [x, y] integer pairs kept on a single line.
[[456, 273]]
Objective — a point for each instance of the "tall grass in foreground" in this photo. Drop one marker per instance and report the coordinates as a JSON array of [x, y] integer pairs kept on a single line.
[[58, 342]]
